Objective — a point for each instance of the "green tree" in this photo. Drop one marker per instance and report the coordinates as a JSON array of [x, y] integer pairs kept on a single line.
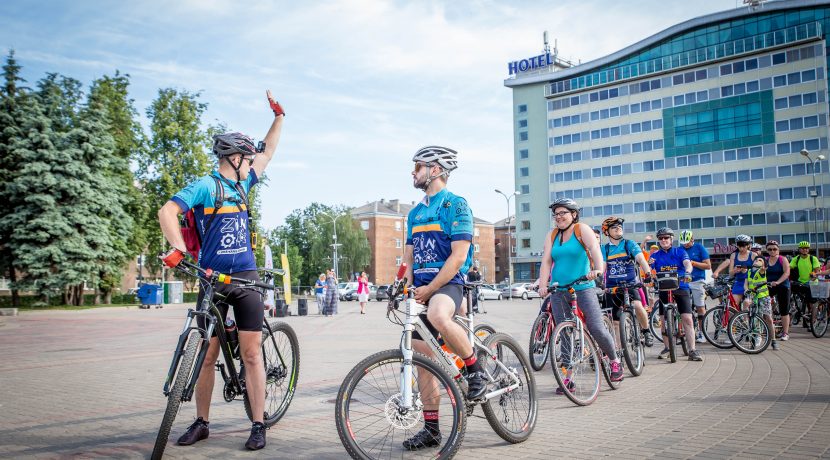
[[109, 99], [10, 130], [176, 156]]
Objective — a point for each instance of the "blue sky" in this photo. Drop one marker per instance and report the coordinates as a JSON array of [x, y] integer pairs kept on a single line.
[[364, 83]]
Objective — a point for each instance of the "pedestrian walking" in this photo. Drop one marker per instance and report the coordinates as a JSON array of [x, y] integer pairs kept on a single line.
[[363, 291], [330, 304], [319, 292]]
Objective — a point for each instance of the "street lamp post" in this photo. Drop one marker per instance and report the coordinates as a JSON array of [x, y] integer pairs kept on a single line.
[[509, 236], [813, 192], [334, 245]]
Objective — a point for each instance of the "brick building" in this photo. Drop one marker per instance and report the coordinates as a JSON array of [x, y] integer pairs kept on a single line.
[[384, 222]]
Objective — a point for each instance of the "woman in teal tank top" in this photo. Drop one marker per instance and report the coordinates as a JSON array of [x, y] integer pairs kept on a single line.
[[564, 260]]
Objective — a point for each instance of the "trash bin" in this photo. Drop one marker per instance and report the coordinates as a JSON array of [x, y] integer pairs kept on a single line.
[[302, 307], [280, 308], [149, 295], [174, 292]]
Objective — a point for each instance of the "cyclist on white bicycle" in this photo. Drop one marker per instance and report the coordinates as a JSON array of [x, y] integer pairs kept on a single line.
[[621, 257], [226, 248], [675, 260], [438, 255], [571, 252]]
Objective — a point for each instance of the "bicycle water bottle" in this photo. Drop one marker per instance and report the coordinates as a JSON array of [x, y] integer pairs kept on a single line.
[[232, 334], [458, 361]]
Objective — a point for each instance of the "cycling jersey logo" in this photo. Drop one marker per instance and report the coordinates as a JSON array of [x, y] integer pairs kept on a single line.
[[424, 250], [234, 236]]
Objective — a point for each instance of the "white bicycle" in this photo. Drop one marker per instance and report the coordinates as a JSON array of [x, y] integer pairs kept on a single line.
[[381, 402]]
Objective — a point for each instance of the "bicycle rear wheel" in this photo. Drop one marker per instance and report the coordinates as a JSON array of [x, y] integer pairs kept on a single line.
[[371, 422], [796, 309], [749, 333], [655, 324], [715, 323], [632, 346], [575, 363], [174, 398], [818, 319], [482, 331], [671, 332], [281, 355], [539, 341], [512, 415]]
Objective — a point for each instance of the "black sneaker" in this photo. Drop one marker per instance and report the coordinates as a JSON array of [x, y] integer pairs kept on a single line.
[[422, 439], [256, 440], [195, 432], [476, 385], [695, 356], [649, 340]]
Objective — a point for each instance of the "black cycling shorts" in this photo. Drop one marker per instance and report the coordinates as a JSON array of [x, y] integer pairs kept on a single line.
[[615, 301], [456, 293], [782, 295], [248, 306], [681, 297]]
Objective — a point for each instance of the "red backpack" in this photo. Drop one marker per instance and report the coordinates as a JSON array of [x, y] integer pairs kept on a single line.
[[190, 232]]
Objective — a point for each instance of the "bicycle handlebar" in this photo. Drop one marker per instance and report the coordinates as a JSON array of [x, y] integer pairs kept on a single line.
[[566, 287], [213, 277]]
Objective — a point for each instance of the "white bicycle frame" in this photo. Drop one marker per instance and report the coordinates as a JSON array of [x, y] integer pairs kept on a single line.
[[413, 323]]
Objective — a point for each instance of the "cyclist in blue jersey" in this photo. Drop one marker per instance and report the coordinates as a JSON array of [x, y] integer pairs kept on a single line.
[[669, 259], [438, 254], [226, 248], [571, 252], [699, 257], [621, 259]]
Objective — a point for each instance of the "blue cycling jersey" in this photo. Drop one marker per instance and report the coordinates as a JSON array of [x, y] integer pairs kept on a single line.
[[671, 261], [226, 247], [697, 253], [620, 262], [432, 227]]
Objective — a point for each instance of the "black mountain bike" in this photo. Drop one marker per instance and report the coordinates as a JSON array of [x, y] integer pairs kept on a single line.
[[280, 352], [631, 340]]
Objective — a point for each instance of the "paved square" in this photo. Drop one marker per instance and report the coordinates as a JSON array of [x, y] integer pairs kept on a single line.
[[88, 384]]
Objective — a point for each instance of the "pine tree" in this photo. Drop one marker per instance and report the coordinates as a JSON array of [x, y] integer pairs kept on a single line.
[[10, 95]]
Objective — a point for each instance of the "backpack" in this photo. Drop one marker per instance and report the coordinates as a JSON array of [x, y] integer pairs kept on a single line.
[[189, 230], [578, 235]]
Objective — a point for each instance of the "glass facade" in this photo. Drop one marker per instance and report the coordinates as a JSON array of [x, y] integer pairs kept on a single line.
[[741, 121], [704, 44]]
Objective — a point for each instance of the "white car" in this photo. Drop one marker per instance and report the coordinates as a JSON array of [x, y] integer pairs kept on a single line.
[[489, 292], [523, 290]]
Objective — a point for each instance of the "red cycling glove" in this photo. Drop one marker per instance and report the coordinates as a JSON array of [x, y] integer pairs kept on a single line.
[[275, 106], [172, 258]]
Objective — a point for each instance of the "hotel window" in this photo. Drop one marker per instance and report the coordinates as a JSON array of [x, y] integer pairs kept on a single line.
[[364, 224]]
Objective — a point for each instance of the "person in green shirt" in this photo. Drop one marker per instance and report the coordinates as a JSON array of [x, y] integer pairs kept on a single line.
[[807, 266], [756, 281]]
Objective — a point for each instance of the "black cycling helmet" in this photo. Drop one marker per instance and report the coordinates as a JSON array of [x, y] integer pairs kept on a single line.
[[665, 231], [231, 143]]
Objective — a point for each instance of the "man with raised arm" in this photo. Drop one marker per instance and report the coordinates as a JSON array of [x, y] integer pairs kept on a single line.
[[226, 247]]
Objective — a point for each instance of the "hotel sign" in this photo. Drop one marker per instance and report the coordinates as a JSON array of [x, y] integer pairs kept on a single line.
[[531, 63]]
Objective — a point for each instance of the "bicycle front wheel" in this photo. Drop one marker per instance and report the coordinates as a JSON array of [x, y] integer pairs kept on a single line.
[[749, 333], [539, 341], [575, 363], [671, 333], [632, 346], [512, 415], [372, 422], [715, 323], [819, 319], [281, 355], [174, 398]]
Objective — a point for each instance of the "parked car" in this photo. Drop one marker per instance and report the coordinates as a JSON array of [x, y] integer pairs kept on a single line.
[[352, 293], [522, 290], [343, 288], [382, 292], [489, 292]]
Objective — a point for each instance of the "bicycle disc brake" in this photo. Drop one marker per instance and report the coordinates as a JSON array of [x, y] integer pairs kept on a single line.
[[400, 418]]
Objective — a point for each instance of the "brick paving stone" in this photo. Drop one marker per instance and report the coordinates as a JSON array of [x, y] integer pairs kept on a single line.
[[97, 375]]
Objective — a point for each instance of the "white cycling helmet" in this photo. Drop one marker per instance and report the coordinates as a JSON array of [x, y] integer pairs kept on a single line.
[[686, 237], [743, 239], [444, 157]]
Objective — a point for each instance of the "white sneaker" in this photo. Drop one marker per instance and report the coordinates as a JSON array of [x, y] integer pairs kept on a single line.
[[785, 337], [700, 338]]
